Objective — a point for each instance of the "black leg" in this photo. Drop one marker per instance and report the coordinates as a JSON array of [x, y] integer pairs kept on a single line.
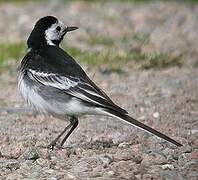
[[74, 122], [53, 143]]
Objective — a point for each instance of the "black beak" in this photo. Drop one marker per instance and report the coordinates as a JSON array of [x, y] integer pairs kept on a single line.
[[70, 28]]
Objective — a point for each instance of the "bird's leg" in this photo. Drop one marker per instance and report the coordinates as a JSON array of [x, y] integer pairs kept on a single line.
[[74, 122], [53, 143]]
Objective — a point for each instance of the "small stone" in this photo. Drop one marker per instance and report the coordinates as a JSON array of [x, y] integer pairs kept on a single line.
[[156, 115], [170, 158], [27, 165], [53, 178], [42, 162], [106, 160], [191, 165], [126, 155], [69, 176], [123, 145], [167, 167], [31, 154], [154, 159], [168, 151], [186, 149], [44, 153], [194, 154], [193, 131], [142, 118], [141, 109], [111, 173], [82, 166], [170, 154], [14, 176], [12, 164], [184, 158], [50, 171]]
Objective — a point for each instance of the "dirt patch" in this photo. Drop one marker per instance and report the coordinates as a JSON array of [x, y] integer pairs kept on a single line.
[[106, 148]]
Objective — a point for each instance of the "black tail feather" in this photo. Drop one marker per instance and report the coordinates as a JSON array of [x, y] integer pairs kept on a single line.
[[143, 126]]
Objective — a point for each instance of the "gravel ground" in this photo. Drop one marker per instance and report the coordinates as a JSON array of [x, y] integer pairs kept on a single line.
[[102, 147]]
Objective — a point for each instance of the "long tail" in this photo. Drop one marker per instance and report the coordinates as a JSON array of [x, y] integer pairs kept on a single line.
[[140, 125]]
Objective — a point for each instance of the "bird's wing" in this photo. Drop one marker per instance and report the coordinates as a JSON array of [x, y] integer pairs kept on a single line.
[[86, 91]]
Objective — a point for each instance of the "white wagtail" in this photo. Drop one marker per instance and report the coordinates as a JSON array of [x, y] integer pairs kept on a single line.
[[53, 82]]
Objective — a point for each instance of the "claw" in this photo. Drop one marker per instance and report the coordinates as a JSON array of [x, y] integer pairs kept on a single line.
[[53, 144]]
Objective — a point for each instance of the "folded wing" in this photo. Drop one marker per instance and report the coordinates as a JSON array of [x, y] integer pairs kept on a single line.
[[83, 89]]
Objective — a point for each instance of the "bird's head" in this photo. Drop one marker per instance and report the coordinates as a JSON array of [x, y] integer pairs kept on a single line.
[[48, 31]]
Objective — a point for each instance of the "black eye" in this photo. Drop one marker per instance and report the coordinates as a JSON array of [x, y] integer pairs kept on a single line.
[[58, 28]]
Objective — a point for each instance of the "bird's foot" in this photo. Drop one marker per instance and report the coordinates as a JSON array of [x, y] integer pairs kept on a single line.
[[53, 144]]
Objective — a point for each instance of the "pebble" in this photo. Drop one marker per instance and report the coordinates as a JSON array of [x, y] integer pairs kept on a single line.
[[193, 131], [82, 167], [154, 159], [14, 176], [142, 109], [12, 164], [31, 153], [111, 173], [142, 118], [126, 155], [191, 165], [106, 160], [53, 178], [183, 159], [156, 115], [42, 162], [70, 176], [50, 171], [186, 149], [123, 145], [167, 167]]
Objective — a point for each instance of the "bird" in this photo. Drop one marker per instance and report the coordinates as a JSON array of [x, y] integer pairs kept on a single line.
[[53, 83]]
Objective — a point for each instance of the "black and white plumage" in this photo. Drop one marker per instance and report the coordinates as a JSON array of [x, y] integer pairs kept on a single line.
[[53, 83]]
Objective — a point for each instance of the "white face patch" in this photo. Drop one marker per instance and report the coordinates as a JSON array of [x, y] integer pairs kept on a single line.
[[52, 33]]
